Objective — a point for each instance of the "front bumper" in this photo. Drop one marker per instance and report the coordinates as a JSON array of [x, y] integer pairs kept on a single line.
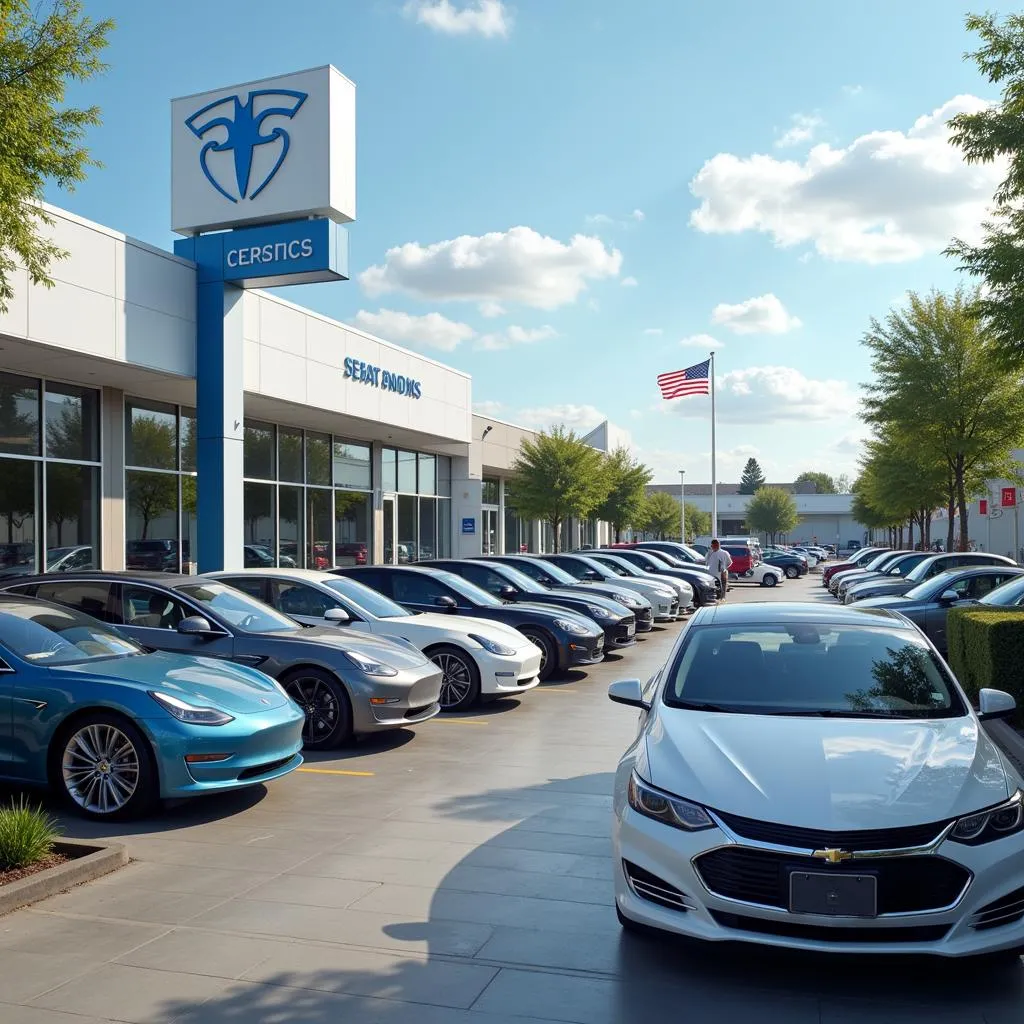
[[583, 650], [620, 634], [413, 697], [665, 889], [501, 675]]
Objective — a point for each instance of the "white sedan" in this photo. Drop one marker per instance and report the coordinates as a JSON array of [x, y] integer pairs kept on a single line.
[[764, 574], [815, 778], [481, 660]]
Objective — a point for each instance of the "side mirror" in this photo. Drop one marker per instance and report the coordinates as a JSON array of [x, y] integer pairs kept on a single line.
[[896, 572], [592, 574], [338, 616], [995, 704], [449, 604], [508, 592], [196, 625], [629, 692], [949, 597]]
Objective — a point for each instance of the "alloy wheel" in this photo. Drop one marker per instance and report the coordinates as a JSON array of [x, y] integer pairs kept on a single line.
[[792, 571], [456, 679], [100, 768], [319, 704]]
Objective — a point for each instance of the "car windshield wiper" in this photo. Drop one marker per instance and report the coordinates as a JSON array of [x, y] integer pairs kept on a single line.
[[690, 705], [839, 713]]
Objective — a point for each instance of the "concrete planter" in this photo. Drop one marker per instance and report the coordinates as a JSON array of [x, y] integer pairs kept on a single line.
[[89, 860]]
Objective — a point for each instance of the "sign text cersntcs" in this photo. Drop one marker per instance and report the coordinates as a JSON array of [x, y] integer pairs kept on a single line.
[[376, 376]]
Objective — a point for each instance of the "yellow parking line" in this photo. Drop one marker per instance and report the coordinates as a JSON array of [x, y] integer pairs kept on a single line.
[[554, 689], [460, 721], [336, 771]]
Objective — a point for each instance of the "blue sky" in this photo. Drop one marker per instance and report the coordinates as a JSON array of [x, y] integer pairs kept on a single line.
[[585, 188]]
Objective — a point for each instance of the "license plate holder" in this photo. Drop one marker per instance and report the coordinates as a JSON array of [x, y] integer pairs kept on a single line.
[[630, 629], [831, 894]]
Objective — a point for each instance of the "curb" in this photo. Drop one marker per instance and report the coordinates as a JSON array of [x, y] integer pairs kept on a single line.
[[92, 861]]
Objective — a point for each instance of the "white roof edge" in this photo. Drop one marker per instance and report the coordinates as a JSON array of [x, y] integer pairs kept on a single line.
[[505, 423], [265, 78]]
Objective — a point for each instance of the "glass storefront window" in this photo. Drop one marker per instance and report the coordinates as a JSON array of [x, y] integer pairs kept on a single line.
[[428, 529], [353, 513], [289, 454], [406, 472], [407, 540], [259, 451], [188, 439], [151, 435], [515, 533], [151, 521], [72, 520], [428, 475], [72, 422], [318, 459], [444, 529], [260, 524], [352, 467], [291, 518], [19, 415], [444, 475], [19, 499], [189, 524], [490, 491], [388, 470], [318, 528]]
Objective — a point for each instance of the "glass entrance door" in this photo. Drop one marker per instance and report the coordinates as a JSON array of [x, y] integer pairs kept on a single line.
[[390, 516], [489, 540]]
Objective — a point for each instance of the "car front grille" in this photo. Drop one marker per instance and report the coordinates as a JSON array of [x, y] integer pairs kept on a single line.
[[905, 884], [654, 889], [1007, 910], [644, 615], [820, 839], [829, 933], [417, 711], [263, 769]]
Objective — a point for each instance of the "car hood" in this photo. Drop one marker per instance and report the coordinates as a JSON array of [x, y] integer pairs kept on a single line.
[[378, 647], [463, 625], [826, 773], [876, 588], [551, 612], [204, 681]]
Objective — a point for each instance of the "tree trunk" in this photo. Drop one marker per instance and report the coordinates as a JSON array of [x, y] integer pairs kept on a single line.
[[910, 533], [951, 510], [556, 525], [961, 500]]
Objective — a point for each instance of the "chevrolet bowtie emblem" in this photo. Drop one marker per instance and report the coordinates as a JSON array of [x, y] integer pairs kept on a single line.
[[832, 856]]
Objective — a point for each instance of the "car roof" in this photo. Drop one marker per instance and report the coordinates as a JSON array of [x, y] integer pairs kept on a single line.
[[168, 579], [316, 575], [770, 612]]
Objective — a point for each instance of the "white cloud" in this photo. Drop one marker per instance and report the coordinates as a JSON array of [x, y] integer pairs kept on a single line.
[[704, 341], [487, 18], [518, 265], [636, 414], [629, 282], [488, 408], [802, 128], [763, 314], [491, 309], [850, 444], [853, 90], [768, 395], [515, 335], [581, 418], [653, 331], [599, 218], [889, 196], [638, 215], [429, 331]]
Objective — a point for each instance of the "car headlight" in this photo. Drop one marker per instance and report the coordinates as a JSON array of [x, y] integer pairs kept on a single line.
[[190, 713], [668, 809], [368, 665], [595, 611], [575, 628], [987, 826], [493, 646], [628, 600]]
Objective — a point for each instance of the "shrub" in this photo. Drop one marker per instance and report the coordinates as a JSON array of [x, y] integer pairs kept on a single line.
[[986, 649], [27, 835]]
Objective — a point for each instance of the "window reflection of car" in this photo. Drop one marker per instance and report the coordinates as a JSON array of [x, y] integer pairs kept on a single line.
[[350, 554], [856, 804], [114, 727], [159, 555], [66, 559]]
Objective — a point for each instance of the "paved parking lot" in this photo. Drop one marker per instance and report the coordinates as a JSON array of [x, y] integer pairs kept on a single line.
[[458, 875]]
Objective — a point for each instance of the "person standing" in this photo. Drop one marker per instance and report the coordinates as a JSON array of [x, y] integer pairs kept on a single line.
[[718, 560]]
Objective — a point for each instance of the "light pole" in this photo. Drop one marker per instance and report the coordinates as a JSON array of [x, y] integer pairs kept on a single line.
[[682, 506]]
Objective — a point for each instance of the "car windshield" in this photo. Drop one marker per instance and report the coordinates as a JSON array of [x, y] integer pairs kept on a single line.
[[921, 570], [470, 591], [665, 558], [1009, 595], [47, 634], [377, 605], [239, 609], [620, 568], [929, 589], [579, 564], [881, 561], [522, 581], [556, 572], [813, 669]]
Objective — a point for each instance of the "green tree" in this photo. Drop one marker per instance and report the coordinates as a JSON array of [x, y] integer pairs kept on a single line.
[[558, 477], [628, 479], [661, 516], [752, 477], [985, 136], [815, 483], [940, 387], [43, 48], [698, 522], [843, 483], [772, 511]]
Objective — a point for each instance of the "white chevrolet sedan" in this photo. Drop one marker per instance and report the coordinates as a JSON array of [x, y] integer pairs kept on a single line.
[[481, 660], [815, 778]]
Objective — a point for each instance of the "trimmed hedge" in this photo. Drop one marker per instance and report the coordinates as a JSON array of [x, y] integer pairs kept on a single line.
[[986, 649]]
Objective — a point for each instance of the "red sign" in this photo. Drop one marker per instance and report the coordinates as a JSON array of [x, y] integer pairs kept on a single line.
[[1009, 497], [983, 507]]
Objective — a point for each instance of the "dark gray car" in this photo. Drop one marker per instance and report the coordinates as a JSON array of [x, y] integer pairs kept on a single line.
[[922, 572], [929, 602], [346, 684], [895, 565]]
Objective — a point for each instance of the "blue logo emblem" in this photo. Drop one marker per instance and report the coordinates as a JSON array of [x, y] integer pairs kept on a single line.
[[242, 125]]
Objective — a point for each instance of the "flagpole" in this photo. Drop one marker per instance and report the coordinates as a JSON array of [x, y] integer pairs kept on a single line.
[[714, 473]]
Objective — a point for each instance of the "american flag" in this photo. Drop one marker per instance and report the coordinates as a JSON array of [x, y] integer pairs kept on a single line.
[[691, 381]]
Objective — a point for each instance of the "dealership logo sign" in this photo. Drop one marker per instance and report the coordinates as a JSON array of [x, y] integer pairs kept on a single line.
[[377, 377], [238, 128]]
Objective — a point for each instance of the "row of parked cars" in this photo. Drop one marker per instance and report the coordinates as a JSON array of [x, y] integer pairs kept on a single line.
[[123, 688], [923, 585]]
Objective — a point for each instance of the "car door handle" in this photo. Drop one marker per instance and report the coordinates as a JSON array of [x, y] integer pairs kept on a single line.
[[249, 660], [37, 704]]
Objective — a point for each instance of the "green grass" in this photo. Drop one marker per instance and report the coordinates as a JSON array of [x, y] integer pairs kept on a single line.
[[27, 835]]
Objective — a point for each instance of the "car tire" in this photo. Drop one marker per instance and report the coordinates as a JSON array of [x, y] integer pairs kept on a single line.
[[103, 767], [326, 705], [792, 572], [549, 652], [460, 683], [769, 580]]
